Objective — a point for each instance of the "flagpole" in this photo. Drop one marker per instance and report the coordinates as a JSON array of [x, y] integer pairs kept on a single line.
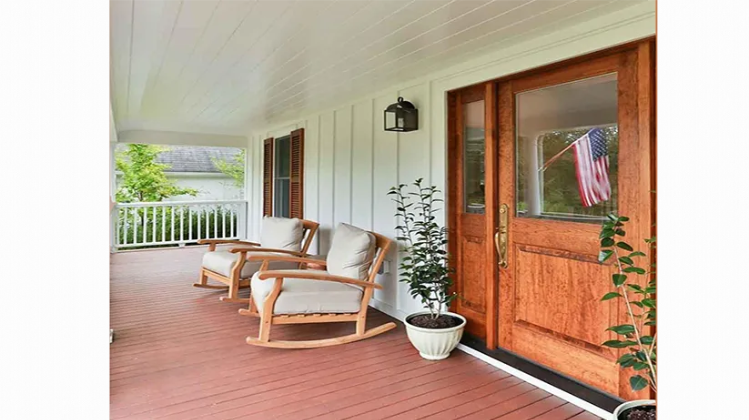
[[555, 157]]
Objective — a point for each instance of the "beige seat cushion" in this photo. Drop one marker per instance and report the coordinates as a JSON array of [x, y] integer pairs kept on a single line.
[[304, 296], [351, 252], [221, 262], [282, 233]]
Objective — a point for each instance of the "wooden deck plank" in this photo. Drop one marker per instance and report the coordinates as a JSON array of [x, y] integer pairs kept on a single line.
[[563, 411], [180, 353]]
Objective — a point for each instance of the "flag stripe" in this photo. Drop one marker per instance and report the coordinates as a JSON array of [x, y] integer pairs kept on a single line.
[[592, 168]]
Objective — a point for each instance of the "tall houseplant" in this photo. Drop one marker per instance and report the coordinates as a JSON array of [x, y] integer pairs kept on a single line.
[[424, 267], [640, 305]]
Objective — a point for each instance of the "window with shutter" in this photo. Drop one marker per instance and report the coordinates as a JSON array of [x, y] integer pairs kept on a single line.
[[268, 177], [283, 175], [296, 188]]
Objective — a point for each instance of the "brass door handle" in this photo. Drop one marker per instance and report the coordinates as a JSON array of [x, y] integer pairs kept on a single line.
[[500, 238]]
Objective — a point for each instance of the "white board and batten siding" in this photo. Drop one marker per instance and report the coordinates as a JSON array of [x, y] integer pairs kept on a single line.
[[351, 162]]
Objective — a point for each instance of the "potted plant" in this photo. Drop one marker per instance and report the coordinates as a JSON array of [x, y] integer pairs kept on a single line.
[[640, 305], [424, 267]]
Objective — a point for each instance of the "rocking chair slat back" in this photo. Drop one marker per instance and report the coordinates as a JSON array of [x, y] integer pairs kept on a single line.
[[309, 228], [382, 245]]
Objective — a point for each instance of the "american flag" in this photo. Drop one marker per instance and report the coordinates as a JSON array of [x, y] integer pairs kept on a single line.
[[592, 167]]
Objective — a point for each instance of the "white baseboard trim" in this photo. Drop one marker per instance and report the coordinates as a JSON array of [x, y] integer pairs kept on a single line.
[[593, 409], [387, 309], [551, 389]]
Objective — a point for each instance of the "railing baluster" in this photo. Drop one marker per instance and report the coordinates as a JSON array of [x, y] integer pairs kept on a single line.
[[199, 223], [223, 222], [215, 222], [231, 221], [182, 224], [124, 240], [136, 223], [163, 224], [153, 226], [145, 224], [171, 211]]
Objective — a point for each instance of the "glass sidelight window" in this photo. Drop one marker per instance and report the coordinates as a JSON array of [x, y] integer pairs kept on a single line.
[[473, 157], [567, 144]]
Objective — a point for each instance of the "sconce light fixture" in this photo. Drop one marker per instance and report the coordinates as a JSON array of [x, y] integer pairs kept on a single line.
[[401, 116]]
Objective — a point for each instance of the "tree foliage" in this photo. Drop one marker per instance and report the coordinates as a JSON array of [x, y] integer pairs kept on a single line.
[[639, 301], [143, 179], [233, 169], [425, 264]]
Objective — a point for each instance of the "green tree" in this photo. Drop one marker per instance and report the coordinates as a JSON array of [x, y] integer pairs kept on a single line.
[[143, 179], [234, 169]]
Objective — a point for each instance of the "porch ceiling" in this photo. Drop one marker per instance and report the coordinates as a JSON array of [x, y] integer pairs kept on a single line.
[[220, 66]]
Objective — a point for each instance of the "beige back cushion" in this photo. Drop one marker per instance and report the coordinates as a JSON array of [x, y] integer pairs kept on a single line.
[[282, 233], [351, 252]]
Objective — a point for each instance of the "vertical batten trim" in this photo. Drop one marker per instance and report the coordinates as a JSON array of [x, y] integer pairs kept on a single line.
[[372, 170], [351, 166], [319, 141], [332, 190], [429, 135]]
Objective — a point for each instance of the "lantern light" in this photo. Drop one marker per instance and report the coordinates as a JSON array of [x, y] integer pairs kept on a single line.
[[401, 116]]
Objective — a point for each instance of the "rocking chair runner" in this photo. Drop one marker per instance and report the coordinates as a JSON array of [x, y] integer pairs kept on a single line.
[[231, 268], [341, 293]]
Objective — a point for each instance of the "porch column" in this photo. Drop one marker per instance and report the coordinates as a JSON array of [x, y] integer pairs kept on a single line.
[[112, 183]]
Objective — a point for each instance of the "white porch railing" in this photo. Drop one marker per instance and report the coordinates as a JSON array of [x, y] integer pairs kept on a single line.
[[143, 225]]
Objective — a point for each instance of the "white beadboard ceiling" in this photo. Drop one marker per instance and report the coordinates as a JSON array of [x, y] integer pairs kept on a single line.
[[222, 66]]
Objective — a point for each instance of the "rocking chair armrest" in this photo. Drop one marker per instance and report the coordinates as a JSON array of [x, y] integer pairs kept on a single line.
[[226, 241], [312, 275], [283, 258], [273, 250]]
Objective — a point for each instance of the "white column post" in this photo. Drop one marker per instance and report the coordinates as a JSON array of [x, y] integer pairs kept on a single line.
[[113, 211]]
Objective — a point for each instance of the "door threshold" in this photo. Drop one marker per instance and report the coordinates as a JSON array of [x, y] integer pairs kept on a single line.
[[590, 399]]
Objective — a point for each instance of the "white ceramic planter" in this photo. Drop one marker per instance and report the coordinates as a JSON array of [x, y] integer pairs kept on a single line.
[[630, 404], [434, 344]]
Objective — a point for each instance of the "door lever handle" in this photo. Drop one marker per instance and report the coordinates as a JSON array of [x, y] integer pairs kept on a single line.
[[500, 238]]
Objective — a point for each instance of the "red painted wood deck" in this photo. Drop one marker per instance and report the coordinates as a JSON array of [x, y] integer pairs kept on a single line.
[[180, 353]]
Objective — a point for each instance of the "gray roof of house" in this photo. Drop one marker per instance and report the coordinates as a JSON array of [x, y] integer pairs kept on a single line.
[[192, 158]]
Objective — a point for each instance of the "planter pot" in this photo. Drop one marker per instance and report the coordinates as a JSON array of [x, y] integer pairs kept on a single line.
[[630, 404], [434, 344]]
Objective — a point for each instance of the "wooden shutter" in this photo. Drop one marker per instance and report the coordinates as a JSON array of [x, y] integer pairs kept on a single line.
[[296, 187], [268, 177]]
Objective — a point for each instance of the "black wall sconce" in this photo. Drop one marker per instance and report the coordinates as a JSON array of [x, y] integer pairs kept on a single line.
[[401, 116]]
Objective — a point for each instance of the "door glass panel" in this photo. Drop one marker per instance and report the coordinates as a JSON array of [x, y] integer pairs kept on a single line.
[[473, 157], [567, 144]]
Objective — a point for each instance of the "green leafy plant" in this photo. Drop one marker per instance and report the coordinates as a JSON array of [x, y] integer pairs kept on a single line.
[[425, 264], [143, 179], [639, 302], [233, 168]]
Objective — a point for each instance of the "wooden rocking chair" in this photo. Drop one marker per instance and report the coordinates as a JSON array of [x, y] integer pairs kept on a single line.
[[341, 293], [231, 267]]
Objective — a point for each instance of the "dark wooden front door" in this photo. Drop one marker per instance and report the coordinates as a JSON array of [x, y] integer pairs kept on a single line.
[[541, 297]]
